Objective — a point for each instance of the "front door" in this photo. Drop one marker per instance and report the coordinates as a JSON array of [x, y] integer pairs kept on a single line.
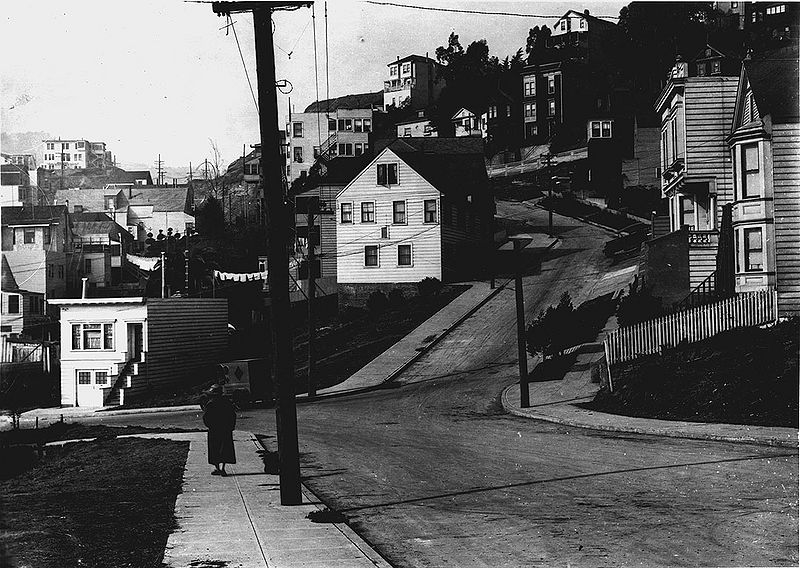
[[89, 387], [135, 342]]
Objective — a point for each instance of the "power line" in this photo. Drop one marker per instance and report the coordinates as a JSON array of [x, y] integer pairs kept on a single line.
[[475, 12], [316, 73], [246, 74]]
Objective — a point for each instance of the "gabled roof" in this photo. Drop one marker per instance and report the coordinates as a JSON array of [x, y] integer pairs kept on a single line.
[[90, 199], [454, 166], [33, 215], [587, 17], [8, 283], [348, 102], [97, 224], [338, 171], [774, 81], [411, 58], [460, 113], [161, 198]]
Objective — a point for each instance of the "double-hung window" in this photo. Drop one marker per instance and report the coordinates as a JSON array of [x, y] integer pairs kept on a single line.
[[29, 236], [359, 149], [92, 336], [687, 211], [358, 125], [399, 212], [752, 184], [404, 255], [297, 129], [529, 86], [13, 303], [368, 212], [551, 107], [331, 124], [387, 174], [347, 212], [551, 84], [298, 154], [367, 125], [753, 250], [371, 255], [430, 211], [530, 110]]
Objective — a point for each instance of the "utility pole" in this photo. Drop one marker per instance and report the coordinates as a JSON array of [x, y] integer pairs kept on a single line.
[[311, 260], [159, 179], [163, 276], [277, 242], [520, 241], [548, 157]]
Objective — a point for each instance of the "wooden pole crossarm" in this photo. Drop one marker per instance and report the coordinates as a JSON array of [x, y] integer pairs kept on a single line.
[[225, 8]]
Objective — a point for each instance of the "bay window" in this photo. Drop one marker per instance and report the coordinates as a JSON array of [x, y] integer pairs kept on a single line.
[[752, 182], [753, 250]]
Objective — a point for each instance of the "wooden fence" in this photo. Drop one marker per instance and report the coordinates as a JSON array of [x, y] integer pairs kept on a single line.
[[743, 310], [46, 353]]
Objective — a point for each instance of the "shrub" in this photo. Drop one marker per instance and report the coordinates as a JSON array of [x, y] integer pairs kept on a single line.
[[396, 299], [638, 305], [552, 332], [377, 302], [429, 286]]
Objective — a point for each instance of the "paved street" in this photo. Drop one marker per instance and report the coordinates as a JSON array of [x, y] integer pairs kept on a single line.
[[434, 473]]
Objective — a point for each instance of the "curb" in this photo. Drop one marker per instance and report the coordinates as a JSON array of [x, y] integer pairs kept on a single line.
[[614, 232], [772, 442], [55, 416], [347, 531]]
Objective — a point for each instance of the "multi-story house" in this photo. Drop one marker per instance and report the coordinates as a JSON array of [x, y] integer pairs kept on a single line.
[[500, 124], [569, 79], [22, 311], [37, 244], [335, 127], [100, 246], [771, 24], [421, 208], [15, 185], [74, 154], [765, 147], [414, 82], [466, 123], [696, 117]]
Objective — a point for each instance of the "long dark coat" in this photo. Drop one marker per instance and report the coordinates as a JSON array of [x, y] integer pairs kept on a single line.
[[219, 416]]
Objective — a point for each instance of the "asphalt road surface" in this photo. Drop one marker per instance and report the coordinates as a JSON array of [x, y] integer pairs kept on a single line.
[[434, 473]]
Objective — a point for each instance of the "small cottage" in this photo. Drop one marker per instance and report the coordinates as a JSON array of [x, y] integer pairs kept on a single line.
[[114, 350]]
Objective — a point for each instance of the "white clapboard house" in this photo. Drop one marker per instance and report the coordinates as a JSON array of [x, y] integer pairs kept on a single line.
[[421, 208]]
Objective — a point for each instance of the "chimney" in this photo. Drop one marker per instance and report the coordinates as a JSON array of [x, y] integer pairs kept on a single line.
[[130, 192], [84, 287], [586, 12]]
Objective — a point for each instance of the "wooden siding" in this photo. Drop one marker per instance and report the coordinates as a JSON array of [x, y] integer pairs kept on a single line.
[[786, 186], [702, 262], [185, 338], [424, 238], [708, 105]]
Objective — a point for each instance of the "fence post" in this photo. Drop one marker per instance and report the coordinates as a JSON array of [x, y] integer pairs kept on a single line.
[[608, 366]]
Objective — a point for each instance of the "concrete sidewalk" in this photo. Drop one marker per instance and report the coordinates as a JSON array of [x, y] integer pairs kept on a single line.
[[555, 401], [238, 522], [49, 416], [389, 364]]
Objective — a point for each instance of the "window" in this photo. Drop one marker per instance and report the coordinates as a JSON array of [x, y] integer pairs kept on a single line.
[[531, 130], [28, 236], [346, 124], [606, 129], [687, 211], [393, 71], [530, 110], [345, 149], [297, 129], [84, 378], [110, 203], [752, 185], [61, 271], [430, 211], [78, 145], [753, 250], [359, 149], [551, 107], [51, 146], [772, 10], [101, 377], [50, 270], [367, 125], [87, 265], [596, 129], [66, 157], [493, 111], [406, 131], [347, 212], [65, 146], [13, 304], [387, 174], [715, 68], [358, 125], [331, 124], [94, 336], [701, 69], [298, 154], [404, 255], [399, 212], [384, 232], [371, 255], [563, 25], [583, 24], [406, 68], [368, 212], [529, 86], [46, 235], [551, 84]]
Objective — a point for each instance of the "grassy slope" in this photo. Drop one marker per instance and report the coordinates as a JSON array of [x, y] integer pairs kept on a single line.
[[745, 376], [106, 503]]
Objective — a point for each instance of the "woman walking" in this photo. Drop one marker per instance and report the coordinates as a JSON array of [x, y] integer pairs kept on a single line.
[[219, 415]]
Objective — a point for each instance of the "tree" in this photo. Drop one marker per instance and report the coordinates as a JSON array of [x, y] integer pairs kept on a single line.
[[551, 332], [536, 43]]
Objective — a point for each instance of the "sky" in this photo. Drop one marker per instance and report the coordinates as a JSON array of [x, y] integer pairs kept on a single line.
[[152, 77]]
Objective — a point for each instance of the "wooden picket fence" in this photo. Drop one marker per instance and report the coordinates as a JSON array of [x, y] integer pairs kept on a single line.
[[695, 324]]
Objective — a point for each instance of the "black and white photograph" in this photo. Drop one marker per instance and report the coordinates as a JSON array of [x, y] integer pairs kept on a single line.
[[394, 284]]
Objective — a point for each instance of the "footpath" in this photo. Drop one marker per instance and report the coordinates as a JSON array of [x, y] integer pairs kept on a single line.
[[238, 522], [557, 401]]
